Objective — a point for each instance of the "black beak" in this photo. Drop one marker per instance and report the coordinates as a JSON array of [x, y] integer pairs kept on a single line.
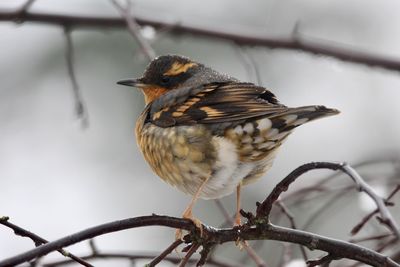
[[132, 82]]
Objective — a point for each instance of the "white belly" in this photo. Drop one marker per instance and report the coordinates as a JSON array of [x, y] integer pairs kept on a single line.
[[228, 171]]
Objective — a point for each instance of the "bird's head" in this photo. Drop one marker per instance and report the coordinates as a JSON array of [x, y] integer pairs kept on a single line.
[[164, 73]]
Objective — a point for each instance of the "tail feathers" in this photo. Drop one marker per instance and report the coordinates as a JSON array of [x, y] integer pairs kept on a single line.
[[293, 117]]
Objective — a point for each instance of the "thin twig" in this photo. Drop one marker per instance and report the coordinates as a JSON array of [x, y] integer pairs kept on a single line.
[[165, 253], [80, 109], [369, 238], [324, 207], [319, 186], [367, 217], [325, 48], [133, 257], [386, 216], [249, 64], [40, 240], [286, 255], [189, 254], [25, 7], [256, 69], [134, 28], [322, 261], [290, 216]]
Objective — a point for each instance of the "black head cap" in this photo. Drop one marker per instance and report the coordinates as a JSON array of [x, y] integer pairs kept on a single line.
[[169, 71]]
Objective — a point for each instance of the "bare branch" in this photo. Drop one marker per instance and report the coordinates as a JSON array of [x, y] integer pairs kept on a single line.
[[211, 235], [39, 240], [134, 28], [165, 253], [134, 256], [24, 8], [325, 48], [320, 262], [387, 218], [80, 109], [264, 209], [369, 238], [189, 254]]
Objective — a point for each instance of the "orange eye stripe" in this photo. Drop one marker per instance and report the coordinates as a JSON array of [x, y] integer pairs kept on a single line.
[[178, 68]]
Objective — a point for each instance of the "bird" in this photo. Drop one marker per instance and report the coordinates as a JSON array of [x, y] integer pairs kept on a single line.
[[207, 133]]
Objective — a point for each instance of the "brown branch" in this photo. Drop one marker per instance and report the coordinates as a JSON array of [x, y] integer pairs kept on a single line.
[[291, 43], [39, 240], [165, 253], [188, 255], [338, 248], [322, 261]]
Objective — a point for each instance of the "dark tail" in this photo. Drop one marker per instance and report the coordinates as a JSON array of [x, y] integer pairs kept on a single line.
[[293, 117]]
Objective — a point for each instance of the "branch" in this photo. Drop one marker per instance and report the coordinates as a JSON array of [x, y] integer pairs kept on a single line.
[[193, 248], [24, 8], [134, 256], [134, 29], [39, 240], [293, 42], [80, 108], [358, 227], [320, 262], [165, 253], [335, 247], [264, 209]]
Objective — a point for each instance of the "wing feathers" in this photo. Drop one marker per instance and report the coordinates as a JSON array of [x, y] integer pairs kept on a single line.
[[224, 103]]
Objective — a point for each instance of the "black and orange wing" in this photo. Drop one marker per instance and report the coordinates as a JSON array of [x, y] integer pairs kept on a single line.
[[214, 103]]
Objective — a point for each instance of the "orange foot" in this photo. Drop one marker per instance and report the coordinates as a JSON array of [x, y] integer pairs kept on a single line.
[[238, 220], [188, 215]]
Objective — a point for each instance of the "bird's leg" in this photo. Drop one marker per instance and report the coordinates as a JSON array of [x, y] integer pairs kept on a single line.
[[187, 214], [237, 217]]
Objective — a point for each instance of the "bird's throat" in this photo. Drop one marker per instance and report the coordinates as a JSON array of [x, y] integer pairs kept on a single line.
[[152, 93]]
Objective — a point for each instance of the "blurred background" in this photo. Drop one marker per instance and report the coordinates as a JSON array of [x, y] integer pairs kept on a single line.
[[57, 177]]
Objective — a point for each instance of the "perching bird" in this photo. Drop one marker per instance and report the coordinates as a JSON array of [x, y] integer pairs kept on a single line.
[[207, 133]]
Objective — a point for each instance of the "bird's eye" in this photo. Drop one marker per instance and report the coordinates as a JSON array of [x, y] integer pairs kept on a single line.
[[165, 80]]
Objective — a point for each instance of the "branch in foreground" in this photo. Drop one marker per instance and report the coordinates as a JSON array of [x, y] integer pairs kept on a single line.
[[211, 235], [39, 240], [292, 42]]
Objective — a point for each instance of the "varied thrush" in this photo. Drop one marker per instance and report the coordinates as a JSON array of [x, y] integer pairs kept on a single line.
[[207, 133]]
